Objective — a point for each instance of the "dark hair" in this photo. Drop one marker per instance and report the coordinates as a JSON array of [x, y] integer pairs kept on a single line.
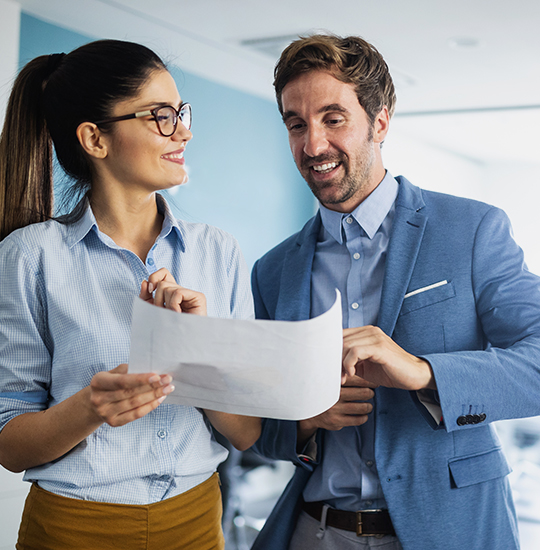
[[351, 60], [51, 97]]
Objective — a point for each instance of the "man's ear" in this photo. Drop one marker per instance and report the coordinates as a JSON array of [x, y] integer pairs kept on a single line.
[[380, 125], [92, 140]]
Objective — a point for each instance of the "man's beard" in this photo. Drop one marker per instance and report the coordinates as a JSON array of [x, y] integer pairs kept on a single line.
[[351, 183]]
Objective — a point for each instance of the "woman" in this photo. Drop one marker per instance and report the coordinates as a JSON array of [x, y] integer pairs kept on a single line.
[[112, 466]]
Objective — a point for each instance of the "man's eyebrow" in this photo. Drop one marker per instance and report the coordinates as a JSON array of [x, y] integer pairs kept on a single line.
[[288, 114], [333, 107]]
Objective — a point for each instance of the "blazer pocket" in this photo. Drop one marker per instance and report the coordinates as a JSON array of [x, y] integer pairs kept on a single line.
[[428, 297], [487, 466]]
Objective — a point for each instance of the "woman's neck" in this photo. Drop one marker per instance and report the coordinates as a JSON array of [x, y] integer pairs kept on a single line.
[[132, 222]]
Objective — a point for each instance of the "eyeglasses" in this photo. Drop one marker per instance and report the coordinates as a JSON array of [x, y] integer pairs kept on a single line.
[[166, 118]]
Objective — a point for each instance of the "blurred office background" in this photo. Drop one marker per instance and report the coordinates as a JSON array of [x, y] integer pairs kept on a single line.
[[467, 122]]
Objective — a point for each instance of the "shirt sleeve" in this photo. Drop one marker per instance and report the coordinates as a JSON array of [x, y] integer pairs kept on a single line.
[[241, 297], [25, 358]]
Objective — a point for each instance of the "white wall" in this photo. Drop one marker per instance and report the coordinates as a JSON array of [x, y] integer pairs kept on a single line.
[[13, 492], [12, 489], [513, 185], [10, 15], [431, 167]]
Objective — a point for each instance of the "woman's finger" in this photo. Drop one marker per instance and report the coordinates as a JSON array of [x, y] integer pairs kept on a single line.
[[181, 299], [161, 275], [145, 293]]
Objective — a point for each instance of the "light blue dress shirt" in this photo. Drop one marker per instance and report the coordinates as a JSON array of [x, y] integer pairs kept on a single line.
[[351, 255], [65, 313]]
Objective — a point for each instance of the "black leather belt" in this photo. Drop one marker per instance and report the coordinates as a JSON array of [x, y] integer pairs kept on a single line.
[[364, 523]]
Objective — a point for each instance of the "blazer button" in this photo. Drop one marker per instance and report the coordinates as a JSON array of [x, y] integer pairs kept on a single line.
[[461, 421], [475, 418], [482, 417]]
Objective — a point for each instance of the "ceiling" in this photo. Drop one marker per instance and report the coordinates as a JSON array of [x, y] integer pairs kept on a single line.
[[467, 72]]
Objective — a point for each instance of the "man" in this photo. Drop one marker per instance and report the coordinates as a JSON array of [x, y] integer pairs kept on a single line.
[[441, 318]]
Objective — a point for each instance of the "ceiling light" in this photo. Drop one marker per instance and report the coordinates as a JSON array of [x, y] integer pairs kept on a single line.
[[464, 42]]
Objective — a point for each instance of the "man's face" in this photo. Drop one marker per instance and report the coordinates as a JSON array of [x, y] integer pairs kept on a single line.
[[335, 146]]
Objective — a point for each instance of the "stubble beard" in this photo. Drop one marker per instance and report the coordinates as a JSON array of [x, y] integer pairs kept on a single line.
[[354, 183]]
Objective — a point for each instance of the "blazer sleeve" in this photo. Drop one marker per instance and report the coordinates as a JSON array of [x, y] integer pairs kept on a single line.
[[501, 381]]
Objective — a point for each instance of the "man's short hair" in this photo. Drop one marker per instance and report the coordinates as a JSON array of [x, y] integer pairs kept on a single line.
[[351, 60]]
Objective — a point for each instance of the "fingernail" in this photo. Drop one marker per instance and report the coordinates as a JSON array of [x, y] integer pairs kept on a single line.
[[155, 378], [166, 380], [161, 399], [169, 389], [150, 287]]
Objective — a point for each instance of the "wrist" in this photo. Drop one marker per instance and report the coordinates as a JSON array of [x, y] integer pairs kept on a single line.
[[304, 430], [91, 418], [426, 376]]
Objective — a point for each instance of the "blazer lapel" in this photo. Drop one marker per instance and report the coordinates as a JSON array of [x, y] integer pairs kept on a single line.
[[294, 303], [407, 232]]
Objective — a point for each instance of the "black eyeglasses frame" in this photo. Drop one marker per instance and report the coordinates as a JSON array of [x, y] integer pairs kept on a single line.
[[184, 107]]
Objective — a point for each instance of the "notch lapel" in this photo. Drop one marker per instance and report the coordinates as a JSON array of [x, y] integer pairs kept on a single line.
[[294, 303], [407, 233]]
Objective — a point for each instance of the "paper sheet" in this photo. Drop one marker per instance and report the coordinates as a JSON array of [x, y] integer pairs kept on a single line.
[[273, 369]]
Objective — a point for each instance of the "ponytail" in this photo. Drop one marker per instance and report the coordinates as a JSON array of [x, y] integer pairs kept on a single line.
[[51, 97], [26, 186]]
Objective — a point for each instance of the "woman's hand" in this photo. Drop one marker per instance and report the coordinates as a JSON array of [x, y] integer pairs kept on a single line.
[[117, 397], [162, 290], [113, 397]]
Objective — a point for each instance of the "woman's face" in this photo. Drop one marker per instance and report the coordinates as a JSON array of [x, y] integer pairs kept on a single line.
[[138, 156]]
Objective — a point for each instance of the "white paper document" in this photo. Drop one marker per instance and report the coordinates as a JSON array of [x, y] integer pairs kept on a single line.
[[273, 369]]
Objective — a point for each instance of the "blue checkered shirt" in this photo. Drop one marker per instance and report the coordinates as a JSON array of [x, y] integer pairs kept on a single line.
[[65, 310]]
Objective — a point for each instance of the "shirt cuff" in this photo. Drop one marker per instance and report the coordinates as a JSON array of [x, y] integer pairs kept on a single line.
[[430, 400], [309, 452]]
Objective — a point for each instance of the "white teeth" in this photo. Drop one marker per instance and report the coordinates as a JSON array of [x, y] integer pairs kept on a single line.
[[325, 167], [174, 156]]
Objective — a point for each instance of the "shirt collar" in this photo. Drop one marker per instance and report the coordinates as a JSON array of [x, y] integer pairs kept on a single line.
[[369, 214], [170, 223], [88, 223]]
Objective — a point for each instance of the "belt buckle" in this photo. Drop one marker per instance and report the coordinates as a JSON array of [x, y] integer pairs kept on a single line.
[[359, 522]]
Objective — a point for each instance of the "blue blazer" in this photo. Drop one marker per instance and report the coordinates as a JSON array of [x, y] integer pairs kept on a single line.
[[445, 484]]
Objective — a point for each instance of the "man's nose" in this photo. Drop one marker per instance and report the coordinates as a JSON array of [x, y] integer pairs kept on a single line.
[[316, 142]]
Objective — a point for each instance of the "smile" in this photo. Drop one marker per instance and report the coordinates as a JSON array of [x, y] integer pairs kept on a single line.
[[325, 168], [175, 156]]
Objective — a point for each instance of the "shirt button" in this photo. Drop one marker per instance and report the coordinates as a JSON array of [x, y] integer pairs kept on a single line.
[[150, 261], [369, 463], [162, 434], [354, 305], [369, 503], [349, 220], [356, 256]]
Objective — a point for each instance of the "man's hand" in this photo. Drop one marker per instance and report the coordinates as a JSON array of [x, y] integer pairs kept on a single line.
[[373, 356], [351, 409]]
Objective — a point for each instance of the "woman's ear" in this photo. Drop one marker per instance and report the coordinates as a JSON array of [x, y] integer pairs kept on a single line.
[[92, 140]]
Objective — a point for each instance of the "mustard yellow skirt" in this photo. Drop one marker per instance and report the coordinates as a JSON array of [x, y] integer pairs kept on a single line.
[[190, 521]]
